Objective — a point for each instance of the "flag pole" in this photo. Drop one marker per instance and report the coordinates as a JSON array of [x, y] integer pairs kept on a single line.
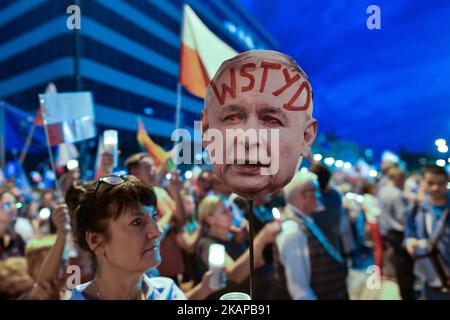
[[177, 119], [178, 107], [24, 152], [2, 136], [50, 153], [59, 194]]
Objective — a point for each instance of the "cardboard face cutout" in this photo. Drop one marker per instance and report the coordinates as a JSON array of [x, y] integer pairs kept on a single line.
[[257, 122]]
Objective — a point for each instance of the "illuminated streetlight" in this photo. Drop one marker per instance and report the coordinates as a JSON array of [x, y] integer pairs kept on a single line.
[[317, 157], [440, 142], [329, 161], [443, 148], [339, 163]]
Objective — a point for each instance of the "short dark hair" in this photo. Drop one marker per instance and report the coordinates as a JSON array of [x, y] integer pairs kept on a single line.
[[368, 188], [134, 161], [90, 210], [434, 169], [323, 174]]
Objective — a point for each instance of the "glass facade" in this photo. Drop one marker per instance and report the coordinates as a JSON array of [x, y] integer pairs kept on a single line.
[[128, 55]]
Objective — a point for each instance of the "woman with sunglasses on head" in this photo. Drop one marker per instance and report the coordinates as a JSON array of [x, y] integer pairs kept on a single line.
[[115, 219]]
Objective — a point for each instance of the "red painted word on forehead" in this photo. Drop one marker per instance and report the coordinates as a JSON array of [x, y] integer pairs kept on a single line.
[[245, 71]]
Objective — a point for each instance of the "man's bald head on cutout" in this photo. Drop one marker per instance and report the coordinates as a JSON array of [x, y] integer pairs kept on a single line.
[[268, 92]]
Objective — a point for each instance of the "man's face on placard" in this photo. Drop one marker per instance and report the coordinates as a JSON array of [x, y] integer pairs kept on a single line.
[[263, 95]]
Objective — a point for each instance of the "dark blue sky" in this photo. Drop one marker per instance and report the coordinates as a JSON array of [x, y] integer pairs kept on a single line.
[[387, 88]]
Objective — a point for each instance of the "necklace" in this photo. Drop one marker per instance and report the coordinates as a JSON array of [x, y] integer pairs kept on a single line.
[[142, 295], [97, 291]]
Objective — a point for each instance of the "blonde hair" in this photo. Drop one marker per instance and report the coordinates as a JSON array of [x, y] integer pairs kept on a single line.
[[207, 207], [14, 277]]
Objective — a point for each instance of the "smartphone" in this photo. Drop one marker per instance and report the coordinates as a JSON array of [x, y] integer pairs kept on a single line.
[[216, 260], [111, 145]]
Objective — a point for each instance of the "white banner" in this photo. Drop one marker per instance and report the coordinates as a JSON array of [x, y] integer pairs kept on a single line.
[[69, 117]]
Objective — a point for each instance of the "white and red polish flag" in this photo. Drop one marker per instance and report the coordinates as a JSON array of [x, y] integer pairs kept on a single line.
[[69, 117], [39, 121], [201, 54]]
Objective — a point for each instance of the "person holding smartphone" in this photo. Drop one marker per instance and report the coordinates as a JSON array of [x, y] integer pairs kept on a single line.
[[215, 220]]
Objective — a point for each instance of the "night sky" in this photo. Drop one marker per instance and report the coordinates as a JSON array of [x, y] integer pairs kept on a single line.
[[384, 89]]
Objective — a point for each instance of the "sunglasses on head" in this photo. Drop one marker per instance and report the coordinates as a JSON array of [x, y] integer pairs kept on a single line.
[[109, 180]]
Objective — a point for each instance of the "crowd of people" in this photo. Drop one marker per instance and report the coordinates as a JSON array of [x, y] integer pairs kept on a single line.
[[144, 236]]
